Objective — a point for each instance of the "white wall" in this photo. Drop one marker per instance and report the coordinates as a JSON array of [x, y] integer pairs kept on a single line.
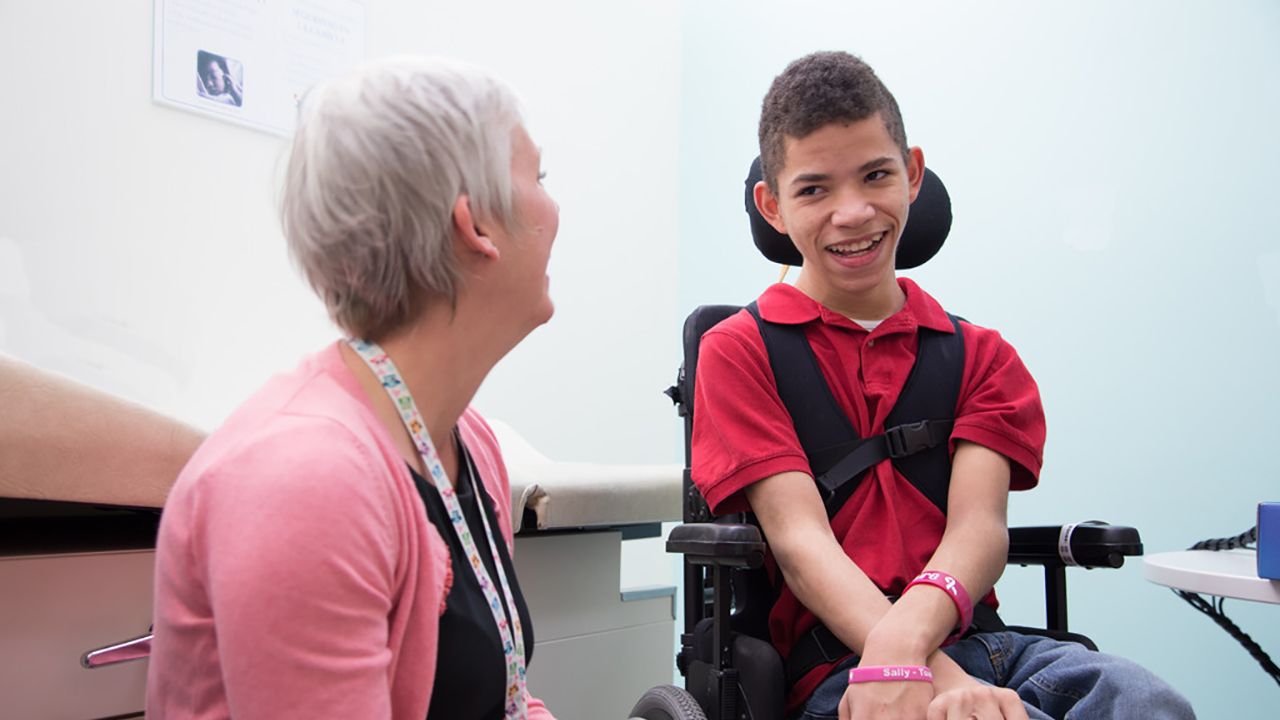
[[139, 249], [1111, 167]]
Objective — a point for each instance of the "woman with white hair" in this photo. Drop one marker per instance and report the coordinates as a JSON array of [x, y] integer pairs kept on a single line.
[[340, 547]]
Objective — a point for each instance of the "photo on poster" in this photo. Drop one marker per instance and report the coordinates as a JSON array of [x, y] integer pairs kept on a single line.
[[219, 79], [252, 60]]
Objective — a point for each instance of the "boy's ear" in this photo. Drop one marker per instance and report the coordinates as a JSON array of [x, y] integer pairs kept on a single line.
[[767, 204], [468, 232], [915, 170]]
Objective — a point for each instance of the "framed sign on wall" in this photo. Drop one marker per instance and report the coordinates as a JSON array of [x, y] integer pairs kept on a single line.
[[250, 61]]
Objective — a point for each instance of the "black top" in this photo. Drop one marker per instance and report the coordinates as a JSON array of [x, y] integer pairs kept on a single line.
[[471, 675]]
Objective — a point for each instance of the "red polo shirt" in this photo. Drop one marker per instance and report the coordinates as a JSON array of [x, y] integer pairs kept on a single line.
[[742, 432]]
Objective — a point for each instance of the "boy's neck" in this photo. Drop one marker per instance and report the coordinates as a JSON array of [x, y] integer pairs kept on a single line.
[[876, 303]]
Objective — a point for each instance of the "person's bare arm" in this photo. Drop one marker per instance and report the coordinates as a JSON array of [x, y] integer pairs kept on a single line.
[[812, 562], [832, 586], [974, 549]]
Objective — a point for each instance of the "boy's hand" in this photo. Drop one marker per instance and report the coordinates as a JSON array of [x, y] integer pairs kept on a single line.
[[907, 700], [959, 696], [953, 695], [915, 701], [977, 701]]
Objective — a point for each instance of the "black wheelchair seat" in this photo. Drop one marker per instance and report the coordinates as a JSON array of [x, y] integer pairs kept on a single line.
[[732, 671]]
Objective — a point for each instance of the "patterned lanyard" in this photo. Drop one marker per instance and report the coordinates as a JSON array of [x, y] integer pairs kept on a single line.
[[381, 365]]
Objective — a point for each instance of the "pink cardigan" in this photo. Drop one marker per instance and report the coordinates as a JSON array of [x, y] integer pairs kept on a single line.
[[297, 574]]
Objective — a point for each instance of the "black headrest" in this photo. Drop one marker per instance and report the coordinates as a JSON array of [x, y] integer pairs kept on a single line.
[[928, 224]]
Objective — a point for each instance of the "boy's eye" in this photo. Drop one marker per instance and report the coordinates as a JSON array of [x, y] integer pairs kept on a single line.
[[877, 175], [808, 190]]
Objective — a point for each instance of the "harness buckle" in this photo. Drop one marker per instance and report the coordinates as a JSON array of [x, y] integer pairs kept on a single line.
[[909, 439]]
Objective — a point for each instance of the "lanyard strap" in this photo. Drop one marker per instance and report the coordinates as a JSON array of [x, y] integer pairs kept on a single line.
[[512, 642]]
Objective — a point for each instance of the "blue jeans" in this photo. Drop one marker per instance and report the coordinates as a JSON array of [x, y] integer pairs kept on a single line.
[[1056, 680]]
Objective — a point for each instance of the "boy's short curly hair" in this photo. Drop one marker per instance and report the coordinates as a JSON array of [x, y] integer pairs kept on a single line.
[[818, 90]]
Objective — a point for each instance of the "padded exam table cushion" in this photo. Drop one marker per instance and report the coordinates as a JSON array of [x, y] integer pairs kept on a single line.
[[564, 495], [64, 441]]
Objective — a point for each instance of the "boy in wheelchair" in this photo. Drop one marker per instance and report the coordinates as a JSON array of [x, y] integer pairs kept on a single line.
[[889, 572]]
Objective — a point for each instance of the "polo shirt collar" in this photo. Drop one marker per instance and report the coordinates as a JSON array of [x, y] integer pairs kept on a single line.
[[784, 304]]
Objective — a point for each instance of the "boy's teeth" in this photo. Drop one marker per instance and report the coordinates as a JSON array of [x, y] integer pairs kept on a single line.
[[856, 248]]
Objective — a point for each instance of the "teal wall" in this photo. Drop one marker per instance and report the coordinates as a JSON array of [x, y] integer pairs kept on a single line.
[[1112, 171]]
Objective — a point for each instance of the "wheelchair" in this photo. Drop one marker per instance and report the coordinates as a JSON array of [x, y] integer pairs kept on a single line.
[[731, 670]]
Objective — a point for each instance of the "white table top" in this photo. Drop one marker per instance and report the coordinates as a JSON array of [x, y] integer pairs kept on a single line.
[[1226, 573]]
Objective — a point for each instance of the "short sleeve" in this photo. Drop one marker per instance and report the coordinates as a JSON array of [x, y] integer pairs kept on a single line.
[[1000, 405], [742, 432]]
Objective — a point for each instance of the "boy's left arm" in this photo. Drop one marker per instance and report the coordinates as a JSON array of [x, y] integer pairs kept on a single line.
[[999, 439], [1000, 409], [974, 549], [975, 545]]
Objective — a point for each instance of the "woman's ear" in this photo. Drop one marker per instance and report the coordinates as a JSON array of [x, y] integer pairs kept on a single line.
[[468, 232]]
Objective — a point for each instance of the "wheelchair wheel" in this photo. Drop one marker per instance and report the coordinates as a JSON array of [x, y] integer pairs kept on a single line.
[[667, 702]]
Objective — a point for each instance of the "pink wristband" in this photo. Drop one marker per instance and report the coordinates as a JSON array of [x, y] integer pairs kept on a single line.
[[958, 594], [890, 673]]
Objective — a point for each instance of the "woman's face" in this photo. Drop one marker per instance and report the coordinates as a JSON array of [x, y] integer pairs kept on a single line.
[[535, 230]]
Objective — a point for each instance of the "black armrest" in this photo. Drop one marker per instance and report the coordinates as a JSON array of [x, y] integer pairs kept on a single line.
[[1092, 544], [718, 544]]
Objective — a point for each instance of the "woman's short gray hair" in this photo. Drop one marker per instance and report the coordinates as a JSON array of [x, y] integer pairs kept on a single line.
[[379, 157]]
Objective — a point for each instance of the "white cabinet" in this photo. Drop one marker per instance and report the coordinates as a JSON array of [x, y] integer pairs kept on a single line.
[[53, 609], [598, 647]]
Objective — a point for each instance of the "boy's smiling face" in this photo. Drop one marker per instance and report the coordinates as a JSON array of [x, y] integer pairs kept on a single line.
[[843, 197]]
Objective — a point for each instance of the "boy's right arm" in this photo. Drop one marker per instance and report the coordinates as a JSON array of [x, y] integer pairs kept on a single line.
[[812, 562], [835, 589], [731, 446]]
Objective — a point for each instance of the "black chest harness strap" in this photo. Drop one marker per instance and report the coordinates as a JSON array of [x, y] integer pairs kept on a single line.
[[917, 428], [916, 438]]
